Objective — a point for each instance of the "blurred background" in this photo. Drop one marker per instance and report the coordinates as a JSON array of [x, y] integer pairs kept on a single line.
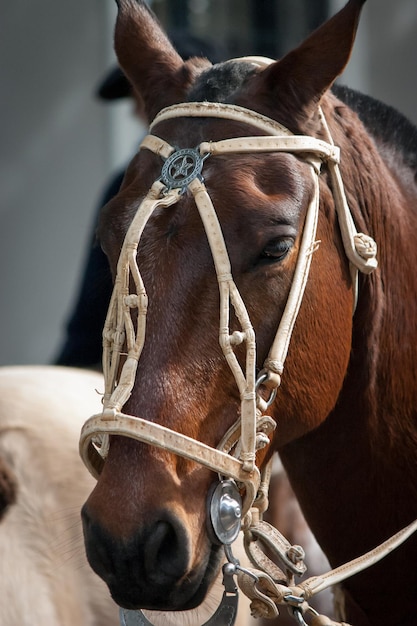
[[59, 143]]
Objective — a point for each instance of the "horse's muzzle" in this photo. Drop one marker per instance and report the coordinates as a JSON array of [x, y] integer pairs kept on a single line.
[[151, 569]]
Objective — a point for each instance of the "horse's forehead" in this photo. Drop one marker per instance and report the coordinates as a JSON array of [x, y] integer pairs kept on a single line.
[[241, 187], [249, 192], [272, 170]]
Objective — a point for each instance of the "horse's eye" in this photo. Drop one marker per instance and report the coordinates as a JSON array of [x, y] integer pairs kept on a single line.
[[276, 250]]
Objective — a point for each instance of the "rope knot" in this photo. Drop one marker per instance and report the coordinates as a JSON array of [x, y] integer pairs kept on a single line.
[[296, 554], [259, 610], [131, 301], [277, 367], [365, 246], [248, 461], [273, 370], [262, 440]]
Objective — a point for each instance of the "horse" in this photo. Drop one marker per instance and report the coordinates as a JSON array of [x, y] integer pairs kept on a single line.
[[44, 575], [268, 198]]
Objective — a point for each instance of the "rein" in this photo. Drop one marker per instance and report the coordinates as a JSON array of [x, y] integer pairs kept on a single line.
[[235, 456]]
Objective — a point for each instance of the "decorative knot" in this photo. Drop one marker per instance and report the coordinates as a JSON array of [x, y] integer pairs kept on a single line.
[[131, 301], [274, 366], [259, 609], [365, 246], [225, 278], [262, 441], [108, 335], [248, 461], [247, 523], [237, 338], [295, 554]]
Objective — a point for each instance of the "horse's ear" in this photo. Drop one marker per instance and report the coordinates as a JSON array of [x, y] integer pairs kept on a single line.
[[299, 80], [147, 57]]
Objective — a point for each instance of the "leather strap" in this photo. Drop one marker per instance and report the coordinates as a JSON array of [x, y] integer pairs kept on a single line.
[[111, 422], [315, 584], [221, 111]]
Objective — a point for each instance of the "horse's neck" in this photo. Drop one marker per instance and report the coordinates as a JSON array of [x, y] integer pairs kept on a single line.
[[355, 495], [377, 409], [382, 189], [355, 476]]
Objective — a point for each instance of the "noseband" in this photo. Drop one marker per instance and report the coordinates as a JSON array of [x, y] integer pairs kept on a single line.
[[235, 456]]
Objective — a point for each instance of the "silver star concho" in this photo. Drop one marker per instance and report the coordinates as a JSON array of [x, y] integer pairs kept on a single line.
[[181, 168]]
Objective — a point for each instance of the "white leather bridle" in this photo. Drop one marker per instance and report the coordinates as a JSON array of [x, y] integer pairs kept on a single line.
[[235, 456], [120, 335]]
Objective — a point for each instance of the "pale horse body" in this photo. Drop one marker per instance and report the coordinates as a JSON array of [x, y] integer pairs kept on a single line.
[[45, 579]]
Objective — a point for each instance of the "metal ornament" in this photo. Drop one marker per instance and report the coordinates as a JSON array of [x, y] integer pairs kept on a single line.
[[226, 512], [180, 169], [225, 614]]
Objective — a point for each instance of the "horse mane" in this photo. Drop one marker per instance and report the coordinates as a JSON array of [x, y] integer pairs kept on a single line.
[[220, 82], [383, 122], [387, 126]]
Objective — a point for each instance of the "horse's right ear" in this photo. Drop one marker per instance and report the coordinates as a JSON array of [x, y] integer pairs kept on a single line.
[[299, 80], [149, 60]]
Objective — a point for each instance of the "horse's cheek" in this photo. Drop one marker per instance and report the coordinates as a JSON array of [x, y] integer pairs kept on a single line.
[[318, 357]]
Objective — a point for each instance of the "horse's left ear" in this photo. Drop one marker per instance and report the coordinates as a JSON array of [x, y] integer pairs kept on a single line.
[[147, 57], [299, 80]]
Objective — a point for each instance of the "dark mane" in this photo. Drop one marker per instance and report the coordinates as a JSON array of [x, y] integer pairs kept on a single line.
[[220, 82], [383, 122]]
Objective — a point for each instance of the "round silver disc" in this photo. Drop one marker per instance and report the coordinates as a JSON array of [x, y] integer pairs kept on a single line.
[[226, 511], [181, 168]]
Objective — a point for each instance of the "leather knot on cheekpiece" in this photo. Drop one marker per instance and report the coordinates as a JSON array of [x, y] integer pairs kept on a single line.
[[366, 248]]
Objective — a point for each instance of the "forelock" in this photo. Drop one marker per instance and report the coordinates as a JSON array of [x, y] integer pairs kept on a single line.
[[220, 82]]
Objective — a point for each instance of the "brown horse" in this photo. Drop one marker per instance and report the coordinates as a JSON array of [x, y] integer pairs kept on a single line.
[[346, 409]]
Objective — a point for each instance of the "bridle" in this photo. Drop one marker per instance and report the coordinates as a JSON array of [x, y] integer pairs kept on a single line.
[[235, 456], [182, 171]]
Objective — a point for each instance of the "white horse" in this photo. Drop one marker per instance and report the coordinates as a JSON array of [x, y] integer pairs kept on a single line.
[[44, 576]]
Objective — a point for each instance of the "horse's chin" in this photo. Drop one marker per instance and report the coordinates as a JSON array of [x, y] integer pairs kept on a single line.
[[213, 597], [198, 615], [197, 594]]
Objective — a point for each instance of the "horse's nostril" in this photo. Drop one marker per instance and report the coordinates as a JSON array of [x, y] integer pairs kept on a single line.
[[145, 570], [165, 553]]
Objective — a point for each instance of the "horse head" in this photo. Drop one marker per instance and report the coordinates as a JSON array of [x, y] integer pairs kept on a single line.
[[146, 523]]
